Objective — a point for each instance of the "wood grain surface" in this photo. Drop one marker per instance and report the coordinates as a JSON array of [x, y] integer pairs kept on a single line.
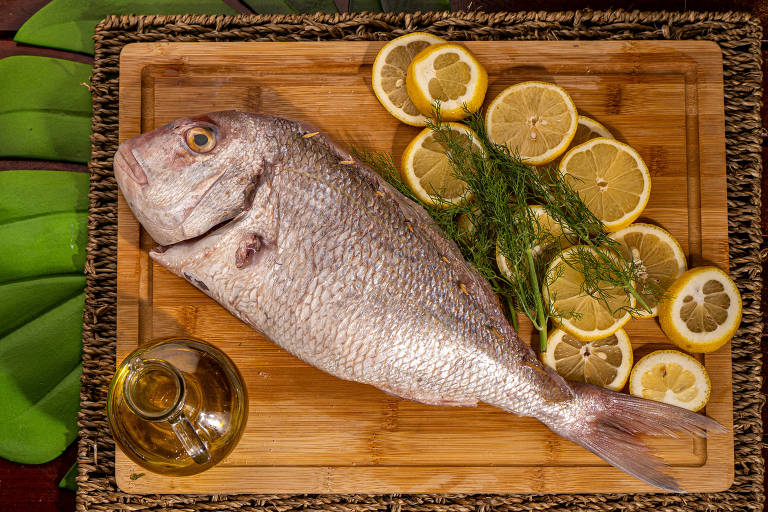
[[310, 432]]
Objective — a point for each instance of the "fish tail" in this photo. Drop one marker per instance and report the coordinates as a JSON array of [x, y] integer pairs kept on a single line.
[[609, 425]]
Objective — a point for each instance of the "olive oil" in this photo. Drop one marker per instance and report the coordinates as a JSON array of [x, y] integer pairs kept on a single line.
[[177, 406]]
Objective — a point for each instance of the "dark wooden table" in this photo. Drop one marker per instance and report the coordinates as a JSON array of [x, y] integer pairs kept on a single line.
[[30, 488]]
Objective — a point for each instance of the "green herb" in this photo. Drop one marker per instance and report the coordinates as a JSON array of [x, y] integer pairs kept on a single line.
[[502, 186], [136, 476]]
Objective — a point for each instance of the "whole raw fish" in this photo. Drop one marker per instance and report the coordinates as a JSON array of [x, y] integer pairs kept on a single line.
[[330, 262]]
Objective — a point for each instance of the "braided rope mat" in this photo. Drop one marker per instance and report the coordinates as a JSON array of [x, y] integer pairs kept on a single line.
[[737, 34]]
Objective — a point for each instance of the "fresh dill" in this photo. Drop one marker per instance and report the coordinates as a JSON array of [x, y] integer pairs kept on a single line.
[[501, 187]]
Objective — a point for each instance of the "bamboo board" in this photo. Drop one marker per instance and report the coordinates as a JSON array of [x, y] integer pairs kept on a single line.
[[309, 432]]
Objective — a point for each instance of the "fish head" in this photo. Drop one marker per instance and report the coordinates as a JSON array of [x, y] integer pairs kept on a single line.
[[184, 178]]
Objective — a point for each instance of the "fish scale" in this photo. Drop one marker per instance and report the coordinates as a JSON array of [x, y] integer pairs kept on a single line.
[[330, 262]]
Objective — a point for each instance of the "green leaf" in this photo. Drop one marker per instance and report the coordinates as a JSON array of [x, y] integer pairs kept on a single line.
[[40, 384], [26, 194], [43, 217], [365, 5], [45, 112], [46, 83], [69, 24], [22, 301], [43, 245], [415, 5], [32, 203], [45, 135], [69, 481]]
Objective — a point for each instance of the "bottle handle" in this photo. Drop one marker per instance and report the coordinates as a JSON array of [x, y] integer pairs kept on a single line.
[[185, 433]]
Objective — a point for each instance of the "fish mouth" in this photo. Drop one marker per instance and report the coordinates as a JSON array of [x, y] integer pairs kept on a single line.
[[126, 163], [221, 225]]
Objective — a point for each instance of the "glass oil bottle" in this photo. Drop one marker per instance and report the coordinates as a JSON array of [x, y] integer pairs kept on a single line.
[[177, 406]]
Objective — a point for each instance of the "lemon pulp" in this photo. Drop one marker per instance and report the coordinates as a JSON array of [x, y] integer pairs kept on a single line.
[[702, 310], [449, 74]]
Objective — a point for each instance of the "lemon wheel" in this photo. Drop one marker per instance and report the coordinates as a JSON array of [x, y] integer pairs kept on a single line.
[[587, 129], [611, 178], [538, 120], [578, 312], [389, 74], [702, 310], [450, 74], [659, 258], [671, 377], [605, 362], [548, 229], [428, 172]]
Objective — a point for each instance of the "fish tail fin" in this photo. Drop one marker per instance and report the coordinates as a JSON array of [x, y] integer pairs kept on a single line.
[[609, 425]]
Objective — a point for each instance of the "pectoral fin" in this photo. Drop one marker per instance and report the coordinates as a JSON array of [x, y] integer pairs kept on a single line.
[[248, 250]]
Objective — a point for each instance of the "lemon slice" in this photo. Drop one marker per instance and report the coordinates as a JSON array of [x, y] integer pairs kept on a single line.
[[587, 129], [427, 170], [702, 310], [448, 73], [660, 259], [536, 119], [549, 229], [605, 362], [581, 314], [611, 179], [389, 72], [671, 377]]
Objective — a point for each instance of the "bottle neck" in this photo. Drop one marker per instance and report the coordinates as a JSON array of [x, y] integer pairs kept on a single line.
[[154, 389]]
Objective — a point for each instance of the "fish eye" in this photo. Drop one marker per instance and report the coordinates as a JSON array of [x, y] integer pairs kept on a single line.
[[201, 139]]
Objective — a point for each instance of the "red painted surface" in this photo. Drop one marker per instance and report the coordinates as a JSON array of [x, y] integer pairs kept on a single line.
[[34, 488], [13, 13]]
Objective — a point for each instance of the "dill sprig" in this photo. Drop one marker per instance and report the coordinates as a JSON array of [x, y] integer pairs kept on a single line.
[[500, 189]]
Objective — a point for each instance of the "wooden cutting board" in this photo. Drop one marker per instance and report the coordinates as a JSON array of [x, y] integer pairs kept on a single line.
[[312, 433]]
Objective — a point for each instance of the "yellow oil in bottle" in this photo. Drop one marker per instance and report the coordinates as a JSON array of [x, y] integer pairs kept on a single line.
[[177, 406]]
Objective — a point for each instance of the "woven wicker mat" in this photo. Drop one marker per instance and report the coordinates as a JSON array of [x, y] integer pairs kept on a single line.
[[737, 34]]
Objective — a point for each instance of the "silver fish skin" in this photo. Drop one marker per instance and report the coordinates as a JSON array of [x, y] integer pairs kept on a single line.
[[325, 258]]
